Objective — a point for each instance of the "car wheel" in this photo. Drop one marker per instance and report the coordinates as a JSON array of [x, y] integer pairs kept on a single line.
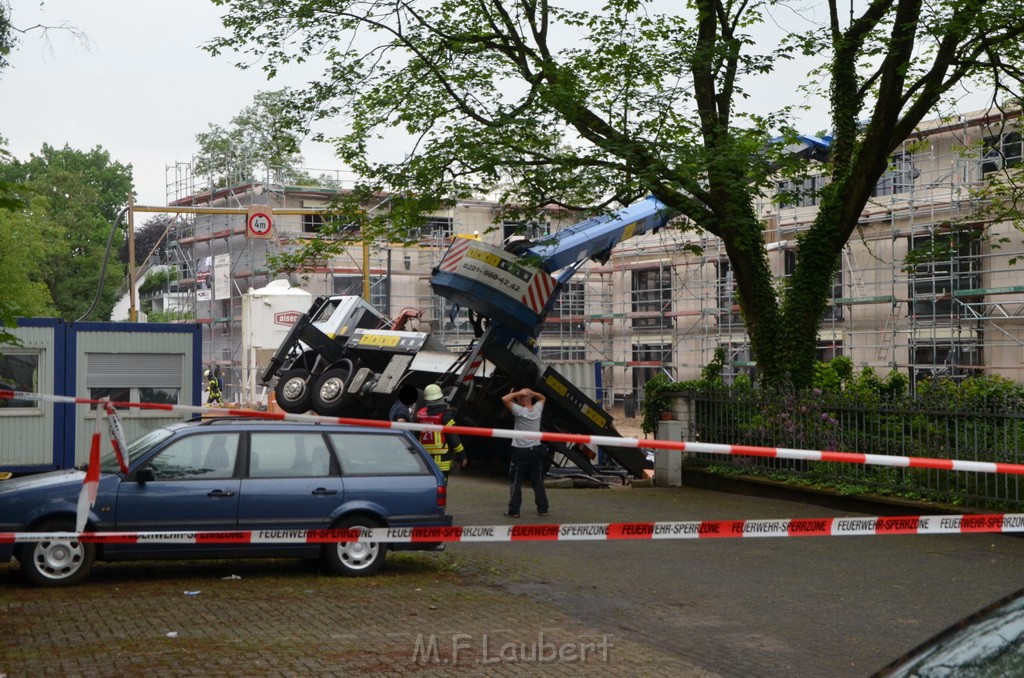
[[355, 558], [56, 562], [329, 392], [292, 391]]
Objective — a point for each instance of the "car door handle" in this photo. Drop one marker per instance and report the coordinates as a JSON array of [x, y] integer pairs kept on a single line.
[[220, 493], [324, 491]]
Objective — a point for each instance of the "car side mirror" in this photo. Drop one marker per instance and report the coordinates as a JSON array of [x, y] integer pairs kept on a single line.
[[145, 475]]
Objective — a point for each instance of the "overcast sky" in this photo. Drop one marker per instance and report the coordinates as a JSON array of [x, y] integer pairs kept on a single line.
[[141, 88]]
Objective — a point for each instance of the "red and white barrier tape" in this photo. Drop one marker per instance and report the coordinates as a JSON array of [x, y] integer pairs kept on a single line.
[[692, 529], [573, 438]]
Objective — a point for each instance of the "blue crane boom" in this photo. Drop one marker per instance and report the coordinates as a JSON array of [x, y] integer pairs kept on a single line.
[[516, 287], [595, 238]]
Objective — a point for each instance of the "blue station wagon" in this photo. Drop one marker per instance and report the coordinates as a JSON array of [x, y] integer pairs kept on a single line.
[[228, 475]]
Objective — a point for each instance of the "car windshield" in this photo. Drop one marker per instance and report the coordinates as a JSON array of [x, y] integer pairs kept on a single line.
[[988, 643], [136, 448]]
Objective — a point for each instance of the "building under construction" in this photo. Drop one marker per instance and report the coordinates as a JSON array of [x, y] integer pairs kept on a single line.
[[655, 305]]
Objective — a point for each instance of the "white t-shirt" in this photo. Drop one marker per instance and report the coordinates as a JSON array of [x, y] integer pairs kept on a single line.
[[527, 419]]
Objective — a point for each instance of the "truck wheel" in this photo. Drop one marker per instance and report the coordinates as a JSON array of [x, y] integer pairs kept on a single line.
[[293, 392], [329, 392], [355, 558], [56, 562]]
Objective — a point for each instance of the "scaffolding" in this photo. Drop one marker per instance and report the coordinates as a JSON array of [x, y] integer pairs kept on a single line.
[[953, 316], [666, 302]]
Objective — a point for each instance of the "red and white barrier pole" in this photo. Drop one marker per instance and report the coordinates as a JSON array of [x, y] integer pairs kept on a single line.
[[574, 438]]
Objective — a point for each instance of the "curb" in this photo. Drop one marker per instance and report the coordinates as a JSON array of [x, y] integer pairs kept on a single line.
[[773, 489]]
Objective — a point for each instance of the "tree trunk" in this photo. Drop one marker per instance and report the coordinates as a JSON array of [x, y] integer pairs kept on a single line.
[[744, 243], [806, 300]]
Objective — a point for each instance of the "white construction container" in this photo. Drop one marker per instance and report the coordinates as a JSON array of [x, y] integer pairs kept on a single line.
[[267, 316]]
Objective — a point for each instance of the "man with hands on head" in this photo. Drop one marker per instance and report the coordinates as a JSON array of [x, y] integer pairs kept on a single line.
[[526, 405]]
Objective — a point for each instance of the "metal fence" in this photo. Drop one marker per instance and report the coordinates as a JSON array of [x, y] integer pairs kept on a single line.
[[992, 431]]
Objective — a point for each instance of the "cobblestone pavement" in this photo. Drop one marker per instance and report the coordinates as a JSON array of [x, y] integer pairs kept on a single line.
[[752, 607]]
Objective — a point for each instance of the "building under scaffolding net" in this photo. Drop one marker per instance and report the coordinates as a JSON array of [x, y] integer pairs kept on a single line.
[[655, 305]]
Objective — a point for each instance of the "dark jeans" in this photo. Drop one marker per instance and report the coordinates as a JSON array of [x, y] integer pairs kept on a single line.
[[527, 462]]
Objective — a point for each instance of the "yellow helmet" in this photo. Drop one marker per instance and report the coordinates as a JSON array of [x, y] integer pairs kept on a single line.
[[433, 393], [206, 374]]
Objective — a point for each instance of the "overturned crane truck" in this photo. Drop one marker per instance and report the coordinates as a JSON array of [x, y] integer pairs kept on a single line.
[[343, 356]]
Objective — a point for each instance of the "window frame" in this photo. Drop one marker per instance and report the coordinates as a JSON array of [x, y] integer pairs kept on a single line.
[[312, 223], [312, 441], [953, 358], [643, 352], [570, 303], [126, 377], [563, 351], [14, 407], [435, 228], [932, 285], [996, 157], [528, 230], [735, 353], [651, 296], [180, 442], [828, 349], [806, 193], [898, 177], [347, 462], [380, 288]]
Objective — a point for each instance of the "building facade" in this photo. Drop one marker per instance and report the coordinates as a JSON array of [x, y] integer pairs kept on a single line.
[[917, 291]]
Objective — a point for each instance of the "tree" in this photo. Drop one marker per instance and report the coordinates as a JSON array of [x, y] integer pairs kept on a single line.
[[262, 137], [9, 202], [588, 109], [9, 31], [77, 196], [21, 296], [7, 38], [152, 237], [10, 206], [27, 240]]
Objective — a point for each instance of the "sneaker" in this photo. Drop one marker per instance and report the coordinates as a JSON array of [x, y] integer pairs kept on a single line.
[[508, 514], [542, 513]]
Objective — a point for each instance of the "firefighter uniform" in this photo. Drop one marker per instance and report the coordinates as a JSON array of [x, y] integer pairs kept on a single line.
[[445, 448], [213, 384]]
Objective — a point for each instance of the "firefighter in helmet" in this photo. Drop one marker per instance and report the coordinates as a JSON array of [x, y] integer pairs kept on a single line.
[[213, 386], [445, 448]]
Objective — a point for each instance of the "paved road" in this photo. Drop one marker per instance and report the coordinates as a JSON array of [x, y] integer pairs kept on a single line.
[[838, 606], [753, 607]]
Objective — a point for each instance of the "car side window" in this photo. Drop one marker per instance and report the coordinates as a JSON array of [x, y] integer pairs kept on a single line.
[[288, 455], [207, 456], [377, 454]]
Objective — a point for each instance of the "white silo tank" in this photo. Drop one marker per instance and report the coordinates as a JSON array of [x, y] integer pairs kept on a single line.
[[267, 315]]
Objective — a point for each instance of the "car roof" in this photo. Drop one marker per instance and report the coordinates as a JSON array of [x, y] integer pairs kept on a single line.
[[261, 424]]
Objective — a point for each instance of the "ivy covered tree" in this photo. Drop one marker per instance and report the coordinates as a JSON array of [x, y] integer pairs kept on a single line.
[[593, 108]]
